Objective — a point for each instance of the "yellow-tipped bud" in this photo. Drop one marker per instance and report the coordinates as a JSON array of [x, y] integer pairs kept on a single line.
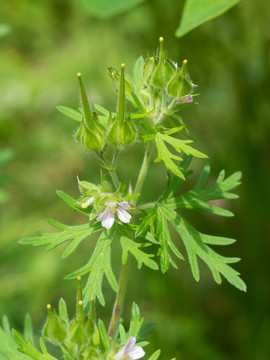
[[185, 62], [80, 303], [79, 74], [161, 39], [49, 306], [79, 278], [122, 66]]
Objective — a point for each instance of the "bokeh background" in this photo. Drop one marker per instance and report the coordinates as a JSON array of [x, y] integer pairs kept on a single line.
[[47, 43]]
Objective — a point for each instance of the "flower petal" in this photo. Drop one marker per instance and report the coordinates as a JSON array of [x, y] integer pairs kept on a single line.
[[124, 205], [109, 202], [136, 353], [126, 348], [123, 215], [107, 218]]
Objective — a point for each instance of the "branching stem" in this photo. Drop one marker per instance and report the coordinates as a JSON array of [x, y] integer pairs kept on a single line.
[[120, 296]]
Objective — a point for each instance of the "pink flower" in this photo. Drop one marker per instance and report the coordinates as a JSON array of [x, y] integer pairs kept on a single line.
[[188, 99], [107, 217], [130, 351]]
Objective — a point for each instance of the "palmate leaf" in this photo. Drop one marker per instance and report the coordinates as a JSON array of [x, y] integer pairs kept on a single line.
[[180, 146], [76, 234], [196, 243], [197, 198], [98, 265], [130, 246]]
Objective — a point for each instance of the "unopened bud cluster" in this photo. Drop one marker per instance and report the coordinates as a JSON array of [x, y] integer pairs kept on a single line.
[[159, 88]]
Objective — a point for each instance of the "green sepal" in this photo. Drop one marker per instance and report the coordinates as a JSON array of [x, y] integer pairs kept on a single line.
[[54, 329], [77, 332], [179, 86]]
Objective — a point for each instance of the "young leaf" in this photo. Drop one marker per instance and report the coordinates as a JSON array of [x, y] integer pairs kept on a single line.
[[28, 329], [71, 113], [62, 310], [197, 12], [155, 356], [165, 155], [131, 246], [70, 201], [29, 349], [98, 265], [104, 336], [166, 242], [135, 322]]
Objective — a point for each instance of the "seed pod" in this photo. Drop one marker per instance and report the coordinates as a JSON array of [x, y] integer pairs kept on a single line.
[[122, 130], [116, 76], [149, 68], [179, 86], [90, 132], [165, 70], [54, 329]]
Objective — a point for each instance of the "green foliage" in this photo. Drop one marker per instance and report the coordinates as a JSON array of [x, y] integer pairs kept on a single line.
[[197, 12], [8, 346], [195, 242], [5, 157], [98, 265], [130, 246], [106, 8], [71, 113], [85, 337], [165, 155]]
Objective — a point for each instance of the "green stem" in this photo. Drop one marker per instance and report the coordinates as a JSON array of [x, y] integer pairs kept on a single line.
[[120, 296], [118, 305], [143, 171]]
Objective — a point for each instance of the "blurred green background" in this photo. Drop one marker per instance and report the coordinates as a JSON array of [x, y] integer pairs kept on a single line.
[[46, 44]]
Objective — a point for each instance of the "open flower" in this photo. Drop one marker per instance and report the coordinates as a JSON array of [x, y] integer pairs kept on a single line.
[[107, 217], [130, 351]]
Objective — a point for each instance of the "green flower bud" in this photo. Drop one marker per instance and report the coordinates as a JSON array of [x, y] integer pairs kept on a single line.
[[150, 66], [92, 140], [122, 130], [180, 86], [90, 132], [54, 329], [165, 70], [121, 134], [78, 333], [116, 76]]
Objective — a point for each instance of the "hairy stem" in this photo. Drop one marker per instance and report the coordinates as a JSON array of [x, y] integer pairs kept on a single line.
[[120, 296], [143, 171]]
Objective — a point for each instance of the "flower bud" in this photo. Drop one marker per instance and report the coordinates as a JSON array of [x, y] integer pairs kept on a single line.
[[54, 329], [116, 76], [149, 69], [122, 134], [165, 70], [90, 132], [179, 86], [77, 332], [122, 130], [91, 140]]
